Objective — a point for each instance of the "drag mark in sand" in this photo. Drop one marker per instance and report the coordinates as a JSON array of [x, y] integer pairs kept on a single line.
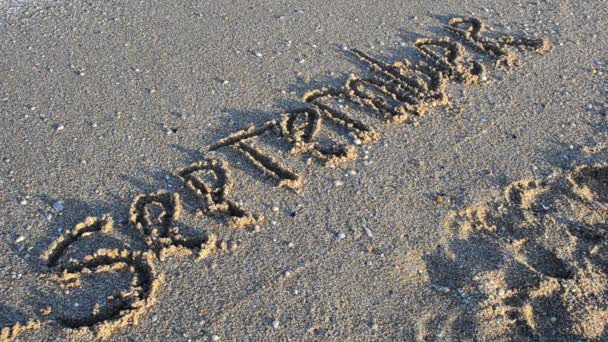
[[399, 92]]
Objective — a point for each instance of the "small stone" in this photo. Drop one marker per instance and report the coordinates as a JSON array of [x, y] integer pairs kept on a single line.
[[287, 273], [352, 173], [296, 292], [340, 236], [76, 304], [258, 54], [20, 238], [60, 128], [275, 208], [338, 183], [290, 245], [439, 200], [374, 326], [553, 319], [154, 318], [23, 202], [275, 324], [58, 206], [357, 142], [232, 245], [442, 289], [368, 232], [94, 125], [215, 338]]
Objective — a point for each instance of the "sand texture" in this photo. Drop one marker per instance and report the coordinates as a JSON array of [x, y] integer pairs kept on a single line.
[[432, 171]]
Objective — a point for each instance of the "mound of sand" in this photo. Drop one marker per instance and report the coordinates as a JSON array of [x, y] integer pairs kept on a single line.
[[532, 263]]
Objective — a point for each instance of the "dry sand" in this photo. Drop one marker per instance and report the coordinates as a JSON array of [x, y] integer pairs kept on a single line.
[[483, 219]]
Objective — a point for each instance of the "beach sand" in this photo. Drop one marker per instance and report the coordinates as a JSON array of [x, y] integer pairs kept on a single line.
[[483, 219]]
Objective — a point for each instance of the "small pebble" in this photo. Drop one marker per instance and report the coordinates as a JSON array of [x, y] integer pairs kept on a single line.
[[340, 236], [275, 208], [19, 238], [60, 128], [215, 338], [374, 326], [258, 54], [357, 142], [442, 289], [368, 232], [338, 183], [275, 324], [58, 206], [553, 319], [290, 245], [232, 245], [23, 202]]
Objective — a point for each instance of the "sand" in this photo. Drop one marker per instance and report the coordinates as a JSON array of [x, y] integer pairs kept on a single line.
[[317, 171]]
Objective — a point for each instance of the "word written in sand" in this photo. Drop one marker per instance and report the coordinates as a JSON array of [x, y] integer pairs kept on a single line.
[[400, 92]]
